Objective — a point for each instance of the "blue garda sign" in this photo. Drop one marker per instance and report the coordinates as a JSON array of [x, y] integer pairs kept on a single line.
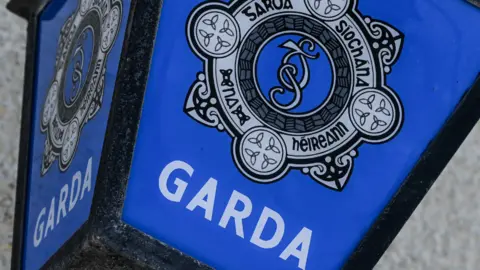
[[274, 132], [79, 45]]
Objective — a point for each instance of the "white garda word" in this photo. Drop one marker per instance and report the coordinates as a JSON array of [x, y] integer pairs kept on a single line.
[[205, 199], [67, 199]]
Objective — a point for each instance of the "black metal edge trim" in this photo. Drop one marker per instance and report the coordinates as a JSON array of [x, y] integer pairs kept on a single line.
[[24, 144], [26, 8], [124, 115], [474, 2], [114, 173], [87, 251], [96, 255], [412, 191], [76, 244], [147, 251], [31, 11]]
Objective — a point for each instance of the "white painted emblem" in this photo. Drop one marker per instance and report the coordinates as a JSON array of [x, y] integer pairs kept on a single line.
[[263, 109], [76, 92]]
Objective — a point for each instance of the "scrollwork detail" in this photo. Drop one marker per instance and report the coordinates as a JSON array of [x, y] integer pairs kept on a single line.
[[386, 42], [333, 172], [201, 104]]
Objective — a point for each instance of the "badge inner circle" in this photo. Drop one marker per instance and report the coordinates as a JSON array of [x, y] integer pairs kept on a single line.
[[92, 23], [291, 77]]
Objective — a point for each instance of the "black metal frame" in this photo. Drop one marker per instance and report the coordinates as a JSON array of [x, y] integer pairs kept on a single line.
[[24, 146], [474, 2], [106, 242]]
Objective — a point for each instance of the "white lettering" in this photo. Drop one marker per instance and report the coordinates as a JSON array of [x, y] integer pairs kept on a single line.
[[303, 239], [62, 211], [76, 182], [64, 203], [38, 235], [51, 218], [87, 181], [267, 214], [205, 198], [181, 185], [239, 216]]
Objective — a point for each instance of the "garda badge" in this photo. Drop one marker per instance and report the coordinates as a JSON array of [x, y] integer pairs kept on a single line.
[[76, 92], [297, 84]]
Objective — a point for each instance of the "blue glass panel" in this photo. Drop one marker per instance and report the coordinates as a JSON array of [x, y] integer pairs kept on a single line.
[[79, 46], [274, 133]]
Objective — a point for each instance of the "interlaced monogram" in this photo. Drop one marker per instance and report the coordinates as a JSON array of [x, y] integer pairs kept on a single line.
[[77, 74], [288, 72]]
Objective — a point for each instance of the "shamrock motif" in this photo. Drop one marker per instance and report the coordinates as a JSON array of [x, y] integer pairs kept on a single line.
[[373, 112], [330, 6], [272, 147], [377, 123], [267, 161], [226, 29], [49, 107], [363, 116], [70, 141], [206, 37], [262, 151], [258, 140], [368, 101], [221, 44], [253, 155], [217, 33], [110, 27], [211, 22], [383, 109]]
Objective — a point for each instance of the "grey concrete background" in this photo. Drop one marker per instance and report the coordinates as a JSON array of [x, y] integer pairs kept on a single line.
[[443, 234], [12, 54]]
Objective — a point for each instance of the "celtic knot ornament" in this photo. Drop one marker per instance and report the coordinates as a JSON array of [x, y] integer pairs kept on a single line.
[[298, 85], [76, 92], [328, 9]]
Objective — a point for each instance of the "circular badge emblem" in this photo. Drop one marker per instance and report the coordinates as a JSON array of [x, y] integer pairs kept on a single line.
[[297, 84], [262, 152], [76, 92]]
